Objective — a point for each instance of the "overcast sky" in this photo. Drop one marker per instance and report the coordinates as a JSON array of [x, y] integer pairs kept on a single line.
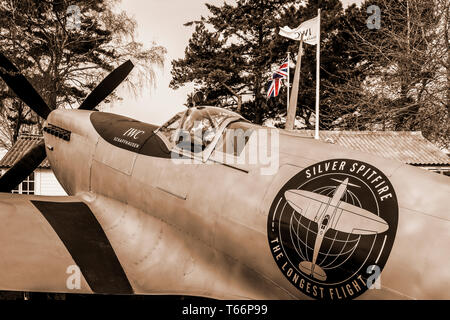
[[161, 21]]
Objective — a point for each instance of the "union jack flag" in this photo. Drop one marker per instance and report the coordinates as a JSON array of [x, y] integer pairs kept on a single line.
[[273, 87], [282, 71]]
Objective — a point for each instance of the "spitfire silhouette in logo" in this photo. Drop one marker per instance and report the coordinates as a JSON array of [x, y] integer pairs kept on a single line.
[[331, 225]]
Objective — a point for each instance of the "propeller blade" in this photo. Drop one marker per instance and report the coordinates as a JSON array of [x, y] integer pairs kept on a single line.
[[23, 168], [107, 86], [22, 88]]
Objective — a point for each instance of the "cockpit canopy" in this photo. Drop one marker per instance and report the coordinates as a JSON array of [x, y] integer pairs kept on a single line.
[[196, 128]]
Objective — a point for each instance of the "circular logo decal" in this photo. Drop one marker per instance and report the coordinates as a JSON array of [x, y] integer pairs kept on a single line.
[[331, 228]]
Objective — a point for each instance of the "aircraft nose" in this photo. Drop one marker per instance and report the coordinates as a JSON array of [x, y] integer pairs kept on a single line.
[[73, 121]]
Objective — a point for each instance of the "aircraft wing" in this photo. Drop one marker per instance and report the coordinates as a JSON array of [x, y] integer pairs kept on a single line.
[[309, 204], [118, 250], [348, 218], [356, 220], [44, 239]]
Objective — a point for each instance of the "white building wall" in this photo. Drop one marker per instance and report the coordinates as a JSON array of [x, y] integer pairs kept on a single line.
[[46, 184], [2, 152]]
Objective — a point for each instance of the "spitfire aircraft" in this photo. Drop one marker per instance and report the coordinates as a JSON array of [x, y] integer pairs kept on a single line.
[[211, 205]]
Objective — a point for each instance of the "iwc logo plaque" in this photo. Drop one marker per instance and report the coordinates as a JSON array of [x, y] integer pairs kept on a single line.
[[330, 224]]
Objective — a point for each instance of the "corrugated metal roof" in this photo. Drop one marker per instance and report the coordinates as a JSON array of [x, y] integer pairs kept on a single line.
[[23, 144], [406, 146]]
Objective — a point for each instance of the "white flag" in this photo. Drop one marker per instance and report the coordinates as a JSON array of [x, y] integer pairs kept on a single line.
[[310, 30]]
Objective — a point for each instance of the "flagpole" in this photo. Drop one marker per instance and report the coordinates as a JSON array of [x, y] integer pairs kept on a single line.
[[290, 119], [288, 80], [316, 135]]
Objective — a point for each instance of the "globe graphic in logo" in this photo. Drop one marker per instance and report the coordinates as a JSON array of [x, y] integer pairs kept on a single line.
[[337, 247], [330, 224]]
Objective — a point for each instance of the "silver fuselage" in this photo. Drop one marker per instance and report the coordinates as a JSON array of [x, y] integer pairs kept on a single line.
[[201, 229]]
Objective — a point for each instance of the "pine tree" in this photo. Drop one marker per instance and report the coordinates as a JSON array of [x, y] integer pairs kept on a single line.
[[232, 52], [229, 55]]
